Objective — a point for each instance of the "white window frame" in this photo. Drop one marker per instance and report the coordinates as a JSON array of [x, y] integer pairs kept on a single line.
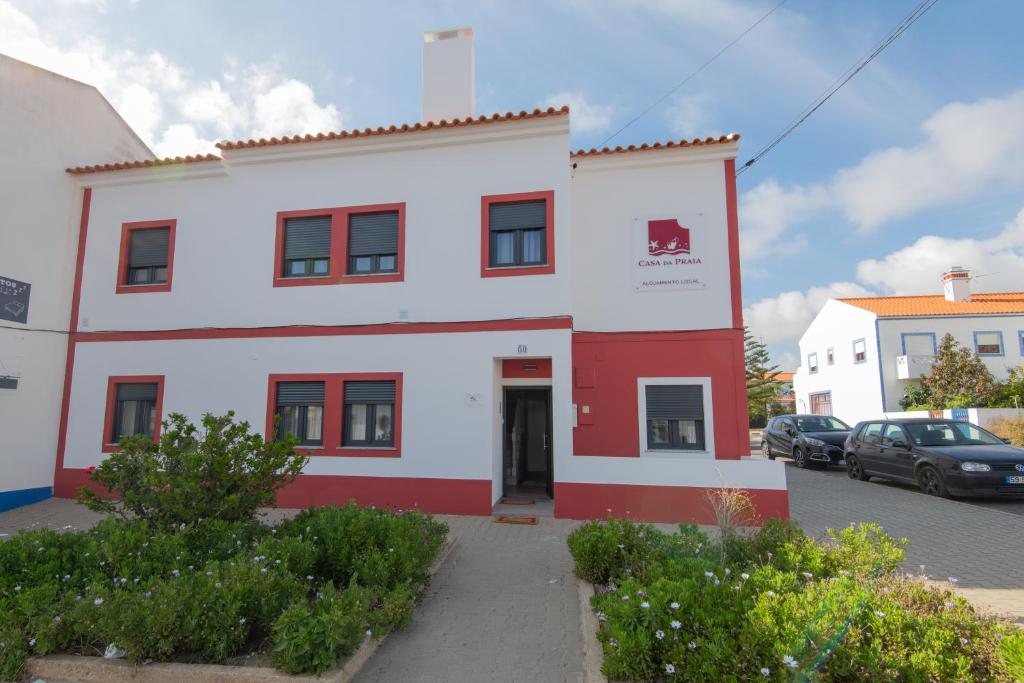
[[709, 418]]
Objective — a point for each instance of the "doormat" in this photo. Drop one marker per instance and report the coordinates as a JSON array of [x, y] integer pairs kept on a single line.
[[515, 501], [515, 519]]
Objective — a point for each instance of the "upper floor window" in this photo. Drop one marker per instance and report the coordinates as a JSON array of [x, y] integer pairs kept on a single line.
[[675, 416], [373, 243], [369, 418], [860, 351], [307, 246], [812, 363], [1020, 339], [133, 408], [830, 356], [300, 406], [988, 343], [147, 256], [918, 343], [518, 234]]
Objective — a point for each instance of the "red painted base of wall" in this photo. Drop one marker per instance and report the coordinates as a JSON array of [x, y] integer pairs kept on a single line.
[[655, 503], [436, 496]]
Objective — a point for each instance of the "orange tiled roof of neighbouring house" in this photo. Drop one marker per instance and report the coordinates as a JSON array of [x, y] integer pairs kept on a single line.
[[147, 163], [695, 142], [936, 305]]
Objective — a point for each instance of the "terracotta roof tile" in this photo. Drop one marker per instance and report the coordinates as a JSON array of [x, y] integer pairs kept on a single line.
[[123, 165], [936, 305], [696, 142], [392, 130]]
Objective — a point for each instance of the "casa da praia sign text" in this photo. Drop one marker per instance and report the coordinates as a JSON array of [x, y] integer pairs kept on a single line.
[[664, 256]]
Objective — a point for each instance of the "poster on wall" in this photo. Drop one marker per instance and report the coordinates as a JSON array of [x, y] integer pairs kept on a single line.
[[668, 254], [14, 300]]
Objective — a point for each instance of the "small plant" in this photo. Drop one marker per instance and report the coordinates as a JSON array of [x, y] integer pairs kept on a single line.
[[732, 508], [222, 472]]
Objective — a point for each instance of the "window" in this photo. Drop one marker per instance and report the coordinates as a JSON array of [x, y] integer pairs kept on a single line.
[[830, 356], [146, 259], [134, 405], [307, 247], [988, 343], [893, 433], [1020, 340], [860, 354], [821, 403], [369, 414], [918, 343], [812, 363], [300, 406], [872, 433], [373, 243], [518, 234], [675, 417]]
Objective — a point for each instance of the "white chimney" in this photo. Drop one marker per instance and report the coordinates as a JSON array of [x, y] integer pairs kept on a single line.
[[449, 75], [956, 284]]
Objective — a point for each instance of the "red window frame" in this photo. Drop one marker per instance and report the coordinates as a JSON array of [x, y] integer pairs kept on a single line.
[[122, 259], [339, 270], [108, 413], [334, 405], [485, 234]]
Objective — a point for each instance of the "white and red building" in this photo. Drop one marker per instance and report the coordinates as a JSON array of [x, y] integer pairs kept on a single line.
[[447, 313]]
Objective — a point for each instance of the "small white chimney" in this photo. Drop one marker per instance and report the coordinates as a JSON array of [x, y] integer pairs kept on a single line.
[[449, 75], [956, 284]]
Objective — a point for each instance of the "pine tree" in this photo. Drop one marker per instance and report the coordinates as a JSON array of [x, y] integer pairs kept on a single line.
[[762, 382], [959, 378]]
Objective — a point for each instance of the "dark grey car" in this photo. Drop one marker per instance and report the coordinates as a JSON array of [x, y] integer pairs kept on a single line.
[[943, 457], [808, 439]]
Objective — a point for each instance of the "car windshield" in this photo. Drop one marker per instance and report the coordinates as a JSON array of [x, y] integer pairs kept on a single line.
[[950, 434], [821, 423]]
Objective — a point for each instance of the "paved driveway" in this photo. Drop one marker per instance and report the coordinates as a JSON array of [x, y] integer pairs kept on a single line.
[[981, 544]]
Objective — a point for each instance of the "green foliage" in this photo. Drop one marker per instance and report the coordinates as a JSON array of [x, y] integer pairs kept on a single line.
[[959, 377], [222, 472], [776, 603], [762, 382], [917, 397], [1011, 648], [214, 589]]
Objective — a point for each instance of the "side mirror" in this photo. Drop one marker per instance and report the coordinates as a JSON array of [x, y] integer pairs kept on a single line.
[[900, 443], [1007, 441]]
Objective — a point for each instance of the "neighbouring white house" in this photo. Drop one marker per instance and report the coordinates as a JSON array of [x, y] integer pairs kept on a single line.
[[47, 123], [859, 355], [445, 313]]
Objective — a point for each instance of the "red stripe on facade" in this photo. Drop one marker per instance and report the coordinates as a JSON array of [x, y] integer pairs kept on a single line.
[[734, 243], [656, 503], [514, 324]]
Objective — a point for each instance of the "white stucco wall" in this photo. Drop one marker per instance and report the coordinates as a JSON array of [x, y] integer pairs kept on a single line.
[[611, 197], [855, 387], [47, 123]]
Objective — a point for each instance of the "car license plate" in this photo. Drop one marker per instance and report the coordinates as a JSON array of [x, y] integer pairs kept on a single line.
[[1014, 479]]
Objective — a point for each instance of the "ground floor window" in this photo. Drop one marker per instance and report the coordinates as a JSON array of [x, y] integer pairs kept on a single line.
[[821, 404], [369, 414], [674, 414], [133, 408], [300, 406]]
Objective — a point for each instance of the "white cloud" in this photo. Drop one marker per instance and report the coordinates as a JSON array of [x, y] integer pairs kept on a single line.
[[967, 148], [768, 211], [174, 111], [585, 117], [687, 116], [782, 319]]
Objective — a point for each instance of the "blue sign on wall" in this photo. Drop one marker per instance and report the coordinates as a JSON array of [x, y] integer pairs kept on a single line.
[[14, 300], [959, 413]]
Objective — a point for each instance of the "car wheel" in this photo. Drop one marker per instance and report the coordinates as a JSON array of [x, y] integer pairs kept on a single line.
[[799, 458], [930, 481], [766, 450], [854, 469]]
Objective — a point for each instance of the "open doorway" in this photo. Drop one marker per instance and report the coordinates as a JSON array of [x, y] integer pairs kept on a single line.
[[527, 462]]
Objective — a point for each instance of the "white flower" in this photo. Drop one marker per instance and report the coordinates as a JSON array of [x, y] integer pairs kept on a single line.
[[625, 597], [807, 575], [309, 577], [263, 570], [790, 662], [771, 594], [670, 669], [728, 571], [601, 616], [950, 605], [98, 601], [765, 671], [879, 613], [674, 605], [621, 546], [709, 574], [175, 572], [242, 620], [676, 624], [744, 576], [17, 589], [692, 645], [660, 635], [645, 605], [963, 641]]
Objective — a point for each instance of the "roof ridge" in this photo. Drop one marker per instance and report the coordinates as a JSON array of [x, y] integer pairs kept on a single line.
[[146, 163], [593, 151], [922, 296]]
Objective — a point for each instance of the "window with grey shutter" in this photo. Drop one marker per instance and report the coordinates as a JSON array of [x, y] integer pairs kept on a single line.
[[300, 410], [307, 246], [373, 242], [675, 416], [517, 233], [134, 410], [148, 252], [369, 414]]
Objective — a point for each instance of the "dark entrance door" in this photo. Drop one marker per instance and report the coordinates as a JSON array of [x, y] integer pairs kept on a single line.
[[527, 436]]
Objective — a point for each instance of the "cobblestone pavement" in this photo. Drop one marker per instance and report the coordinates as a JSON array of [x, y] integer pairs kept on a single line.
[[980, 543]]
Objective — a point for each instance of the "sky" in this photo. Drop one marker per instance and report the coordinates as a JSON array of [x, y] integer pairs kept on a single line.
[[916, 165]]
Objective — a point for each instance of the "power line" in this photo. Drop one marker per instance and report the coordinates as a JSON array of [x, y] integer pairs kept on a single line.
[[900, 29], [691, 76]]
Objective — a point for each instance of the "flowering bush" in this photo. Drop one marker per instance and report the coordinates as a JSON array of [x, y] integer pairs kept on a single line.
[[223, 472], [776, 603], [215, 589]]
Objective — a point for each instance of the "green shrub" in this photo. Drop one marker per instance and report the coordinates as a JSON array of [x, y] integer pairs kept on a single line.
[[312, 637], [224, 472], [774, 603]]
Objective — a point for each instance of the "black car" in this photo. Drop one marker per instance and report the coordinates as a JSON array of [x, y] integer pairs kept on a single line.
[[808, 439], [943, 457]]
